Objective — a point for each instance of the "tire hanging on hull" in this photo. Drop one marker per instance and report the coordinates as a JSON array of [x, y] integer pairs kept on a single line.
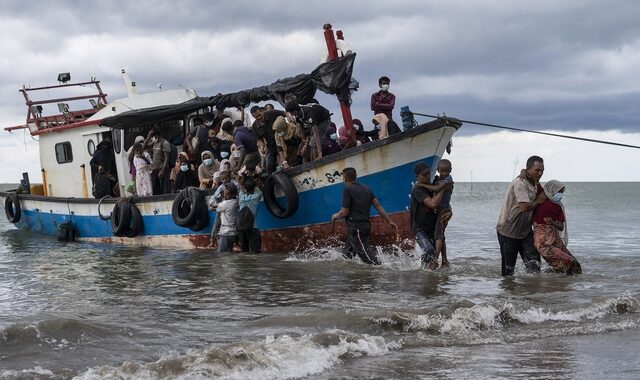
[[190, 210], [126, 219], [290, 193], [12, 208]]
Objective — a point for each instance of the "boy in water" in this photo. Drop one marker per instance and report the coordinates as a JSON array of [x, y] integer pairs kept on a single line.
[[443, 177]]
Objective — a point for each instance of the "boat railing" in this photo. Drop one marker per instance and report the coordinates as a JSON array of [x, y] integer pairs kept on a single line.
[[38, 123]]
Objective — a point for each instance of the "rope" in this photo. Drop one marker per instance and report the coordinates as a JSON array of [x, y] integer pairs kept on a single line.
[[537, 132]]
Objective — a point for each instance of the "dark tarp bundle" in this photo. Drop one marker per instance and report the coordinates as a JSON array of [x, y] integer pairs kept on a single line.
[[332, 77]]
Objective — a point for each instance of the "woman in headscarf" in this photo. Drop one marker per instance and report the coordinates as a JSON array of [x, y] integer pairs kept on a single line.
[[330, 141], [206, 169], [549, 221], [287, 141]]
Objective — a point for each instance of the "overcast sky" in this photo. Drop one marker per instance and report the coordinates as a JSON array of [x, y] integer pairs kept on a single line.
[[565, 66]]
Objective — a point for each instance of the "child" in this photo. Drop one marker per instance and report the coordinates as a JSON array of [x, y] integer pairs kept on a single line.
[[443, 177], [142, 163]]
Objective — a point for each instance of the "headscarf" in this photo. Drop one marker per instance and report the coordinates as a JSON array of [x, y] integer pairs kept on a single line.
[[550, 188], [225, 165], [224, 135], [283, 131], [204, 171], [382, 120]]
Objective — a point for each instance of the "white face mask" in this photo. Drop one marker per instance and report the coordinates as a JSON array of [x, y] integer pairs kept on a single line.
[[384, 87], [184, 167], [208, 123], [557, 197], [224, 154], [333, 136], [280, 133]]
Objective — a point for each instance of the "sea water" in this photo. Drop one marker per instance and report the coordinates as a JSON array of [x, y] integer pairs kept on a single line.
[[91, 311]]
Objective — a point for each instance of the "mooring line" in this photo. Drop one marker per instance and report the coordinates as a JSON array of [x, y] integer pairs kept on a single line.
[[537, 132]]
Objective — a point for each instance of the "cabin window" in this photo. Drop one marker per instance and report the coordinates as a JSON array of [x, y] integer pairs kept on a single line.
[[63, 152], [117, 140], [91, 147]]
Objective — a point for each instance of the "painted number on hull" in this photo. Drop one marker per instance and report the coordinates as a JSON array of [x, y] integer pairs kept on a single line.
[[332, 177], [309, 182]]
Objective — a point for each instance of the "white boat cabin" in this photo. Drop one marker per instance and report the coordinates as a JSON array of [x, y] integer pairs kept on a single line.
[[68, 138]]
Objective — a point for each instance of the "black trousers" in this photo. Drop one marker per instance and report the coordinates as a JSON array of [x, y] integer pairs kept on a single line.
[[271, 156], [358, 243], [250, 240], [161, 185], [509, 249]]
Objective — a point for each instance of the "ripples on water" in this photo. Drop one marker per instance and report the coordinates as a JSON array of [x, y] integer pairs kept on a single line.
[[99, 311]]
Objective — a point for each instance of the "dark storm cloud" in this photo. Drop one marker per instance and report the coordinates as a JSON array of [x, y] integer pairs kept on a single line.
[[563, 65]]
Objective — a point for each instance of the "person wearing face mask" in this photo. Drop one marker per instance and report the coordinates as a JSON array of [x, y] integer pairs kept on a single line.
[[383, 101], [160, 167], [550, 235], [186, 176], [206, 170], [330, 141], [197, 140]]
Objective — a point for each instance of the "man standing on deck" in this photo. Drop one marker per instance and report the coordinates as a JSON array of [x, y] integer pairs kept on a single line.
[[357, 200], [514, 223]]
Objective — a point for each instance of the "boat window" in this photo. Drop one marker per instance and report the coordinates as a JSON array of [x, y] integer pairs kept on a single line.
[[117, 140], [63, 152], [91, 147]]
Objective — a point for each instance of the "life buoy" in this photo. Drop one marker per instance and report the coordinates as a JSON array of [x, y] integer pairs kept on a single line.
[[12, 208], [290, 193], [135, 225], [189, 208], [342, 48], [120, 218]]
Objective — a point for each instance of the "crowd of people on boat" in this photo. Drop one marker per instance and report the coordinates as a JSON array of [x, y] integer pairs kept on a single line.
[[223, 150]]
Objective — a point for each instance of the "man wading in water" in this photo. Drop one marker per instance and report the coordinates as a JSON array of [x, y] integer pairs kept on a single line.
[[514, 223], [357, 200]]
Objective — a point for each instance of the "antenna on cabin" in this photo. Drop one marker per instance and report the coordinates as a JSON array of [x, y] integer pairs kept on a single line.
[[131, 86]]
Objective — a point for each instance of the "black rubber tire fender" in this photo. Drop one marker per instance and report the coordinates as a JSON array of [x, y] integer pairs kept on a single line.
[[202, 222], [12, 208], [190, 199], [120, 218], [290, 193], [135, 225]]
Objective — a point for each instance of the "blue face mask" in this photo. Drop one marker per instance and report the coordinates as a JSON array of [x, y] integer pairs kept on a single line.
[[208, 161], [224, 154], [557, 197], [184, 167]]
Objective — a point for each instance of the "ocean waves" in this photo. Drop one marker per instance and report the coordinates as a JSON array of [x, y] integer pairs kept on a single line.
[[281, 357]]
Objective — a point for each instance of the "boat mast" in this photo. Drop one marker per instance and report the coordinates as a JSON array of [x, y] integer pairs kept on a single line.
[[333, 54]]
